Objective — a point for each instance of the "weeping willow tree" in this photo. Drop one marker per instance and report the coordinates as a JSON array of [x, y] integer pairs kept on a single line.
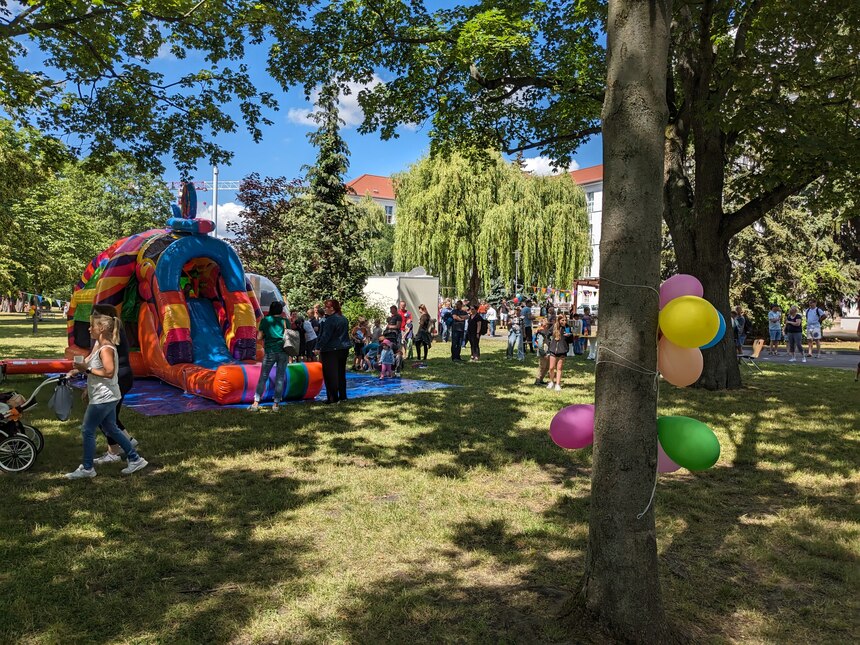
[[463, 220]]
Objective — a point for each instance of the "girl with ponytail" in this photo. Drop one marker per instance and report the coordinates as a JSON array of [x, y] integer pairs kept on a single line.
[[101, 368], [126, 382]]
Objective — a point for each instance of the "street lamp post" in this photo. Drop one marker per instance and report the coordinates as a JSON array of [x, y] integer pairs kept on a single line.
[[517, 271], [215, 197]]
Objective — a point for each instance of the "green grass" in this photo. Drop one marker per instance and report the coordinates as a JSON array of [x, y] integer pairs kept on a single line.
[[445, 516]]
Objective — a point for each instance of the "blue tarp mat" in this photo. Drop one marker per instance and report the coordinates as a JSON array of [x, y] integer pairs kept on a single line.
[[154, 398]]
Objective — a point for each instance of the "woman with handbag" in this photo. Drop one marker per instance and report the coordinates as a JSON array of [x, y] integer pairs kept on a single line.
[[333, 348], [424, 337], [271, 332]]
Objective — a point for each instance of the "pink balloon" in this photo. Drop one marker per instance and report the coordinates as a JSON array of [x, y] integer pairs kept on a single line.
[[573, 426], [680, 285], [664, 464]]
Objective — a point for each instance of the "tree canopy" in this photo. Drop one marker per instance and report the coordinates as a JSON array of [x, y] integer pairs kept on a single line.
[[68, 218], [88, 68], [463, 220]]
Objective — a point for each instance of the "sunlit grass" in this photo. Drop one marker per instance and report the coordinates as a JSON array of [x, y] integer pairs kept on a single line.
[[432, 517]]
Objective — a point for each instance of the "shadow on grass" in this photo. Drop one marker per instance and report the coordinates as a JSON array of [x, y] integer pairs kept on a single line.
[[118, 559], [173, 556]]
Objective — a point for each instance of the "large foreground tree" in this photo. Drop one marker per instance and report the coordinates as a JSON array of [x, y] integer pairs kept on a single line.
[[621, 579]]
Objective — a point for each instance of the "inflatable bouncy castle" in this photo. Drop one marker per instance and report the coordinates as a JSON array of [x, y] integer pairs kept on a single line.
[[188, 309]]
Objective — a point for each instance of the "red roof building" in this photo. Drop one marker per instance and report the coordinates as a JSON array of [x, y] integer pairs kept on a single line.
[[378, 188]]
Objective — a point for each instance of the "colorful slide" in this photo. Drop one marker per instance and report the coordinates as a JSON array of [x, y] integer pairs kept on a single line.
[[189, 313]]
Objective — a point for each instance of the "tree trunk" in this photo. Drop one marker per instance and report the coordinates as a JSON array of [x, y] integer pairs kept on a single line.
[[712, 266], [622, 586]]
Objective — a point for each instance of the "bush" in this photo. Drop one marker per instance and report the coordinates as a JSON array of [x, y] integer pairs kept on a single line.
[[356, 307]]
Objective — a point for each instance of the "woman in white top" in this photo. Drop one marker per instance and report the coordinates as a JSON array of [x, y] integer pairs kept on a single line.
[[492, 317], [101, 368]]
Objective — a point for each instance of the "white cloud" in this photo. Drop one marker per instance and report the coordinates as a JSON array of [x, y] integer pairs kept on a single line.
[[348, 107], [544, 166], [228, 212], [164, 52]]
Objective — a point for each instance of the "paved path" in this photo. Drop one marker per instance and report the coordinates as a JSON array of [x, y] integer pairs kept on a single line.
[[840, 360]]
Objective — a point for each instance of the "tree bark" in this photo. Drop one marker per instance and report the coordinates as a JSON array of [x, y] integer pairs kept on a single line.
[[621, 585]]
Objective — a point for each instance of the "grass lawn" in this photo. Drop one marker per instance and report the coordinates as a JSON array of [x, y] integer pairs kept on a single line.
[[444, 516]]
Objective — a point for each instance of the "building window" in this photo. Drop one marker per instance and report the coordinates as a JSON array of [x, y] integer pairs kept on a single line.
[[389, 214], [589, 202]]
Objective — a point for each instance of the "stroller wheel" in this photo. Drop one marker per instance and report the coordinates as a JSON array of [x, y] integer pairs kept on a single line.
[[17, 454], [34, 435]]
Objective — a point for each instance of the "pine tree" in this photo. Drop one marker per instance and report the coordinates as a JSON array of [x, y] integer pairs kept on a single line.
[[325, 241]]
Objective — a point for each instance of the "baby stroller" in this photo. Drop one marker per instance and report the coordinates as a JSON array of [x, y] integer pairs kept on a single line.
[[19, 442]]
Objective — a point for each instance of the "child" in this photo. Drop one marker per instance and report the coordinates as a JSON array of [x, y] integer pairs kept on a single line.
[[576, 330], [358, 336], [371, 356], [541, 340], [376, 330], [408, 338], [103, 394], [386, 360]]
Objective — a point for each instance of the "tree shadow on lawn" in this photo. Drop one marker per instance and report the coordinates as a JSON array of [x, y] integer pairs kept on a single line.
[[176, 560]]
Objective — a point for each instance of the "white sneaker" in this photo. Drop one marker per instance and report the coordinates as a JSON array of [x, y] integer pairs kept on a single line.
[[107, 458], [557, 387], [82, 473], [803, 360], [550, 385], [792, 360], [134, 466]]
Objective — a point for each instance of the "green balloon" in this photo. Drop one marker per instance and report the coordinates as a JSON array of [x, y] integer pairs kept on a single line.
[[688, 442]]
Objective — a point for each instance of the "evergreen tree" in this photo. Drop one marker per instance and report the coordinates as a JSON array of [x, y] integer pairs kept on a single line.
[[325, 241]]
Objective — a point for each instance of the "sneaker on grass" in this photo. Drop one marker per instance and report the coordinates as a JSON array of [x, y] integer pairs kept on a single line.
[[134, 466], [82, 473], [107, 458]]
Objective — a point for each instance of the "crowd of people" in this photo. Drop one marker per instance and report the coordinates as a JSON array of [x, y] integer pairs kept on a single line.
[[785, 327]]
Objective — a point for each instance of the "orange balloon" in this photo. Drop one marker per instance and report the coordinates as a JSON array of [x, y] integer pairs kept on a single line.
[[681, 366]]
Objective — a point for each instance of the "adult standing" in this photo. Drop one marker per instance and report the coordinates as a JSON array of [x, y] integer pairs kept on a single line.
[[310, 336], [527, 317], [774, 328], [394, 334], [271, 332], [741, 323], [458, 329], [297, 323], [405, 316], [504, 312], [477, 328], [492, 317], [586, 329], [424, 337], [333, 346], [125, 381], [445, 319], [814, 316], [793, 333]]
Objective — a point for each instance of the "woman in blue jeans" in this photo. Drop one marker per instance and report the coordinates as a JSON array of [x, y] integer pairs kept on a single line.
[[271, 332], [101, 368]]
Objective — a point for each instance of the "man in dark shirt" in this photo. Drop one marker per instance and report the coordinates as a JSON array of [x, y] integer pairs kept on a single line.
[[458, 330]]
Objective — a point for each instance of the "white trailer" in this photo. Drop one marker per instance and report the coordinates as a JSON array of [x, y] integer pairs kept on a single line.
[[415, 288]]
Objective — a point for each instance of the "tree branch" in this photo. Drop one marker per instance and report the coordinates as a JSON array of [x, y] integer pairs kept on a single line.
[[758, 207], [562, 137]]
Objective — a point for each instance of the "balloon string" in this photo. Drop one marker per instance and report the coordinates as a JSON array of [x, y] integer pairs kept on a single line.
[[627, 364], [621, 284], [651, 500], [635, 367]]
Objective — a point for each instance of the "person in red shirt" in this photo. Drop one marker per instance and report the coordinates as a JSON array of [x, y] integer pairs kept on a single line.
[[405, 316]]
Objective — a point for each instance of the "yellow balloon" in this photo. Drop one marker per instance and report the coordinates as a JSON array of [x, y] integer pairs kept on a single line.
[[689, 321]]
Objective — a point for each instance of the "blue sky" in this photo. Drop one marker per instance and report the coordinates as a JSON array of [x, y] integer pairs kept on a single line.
[[285, 149]]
